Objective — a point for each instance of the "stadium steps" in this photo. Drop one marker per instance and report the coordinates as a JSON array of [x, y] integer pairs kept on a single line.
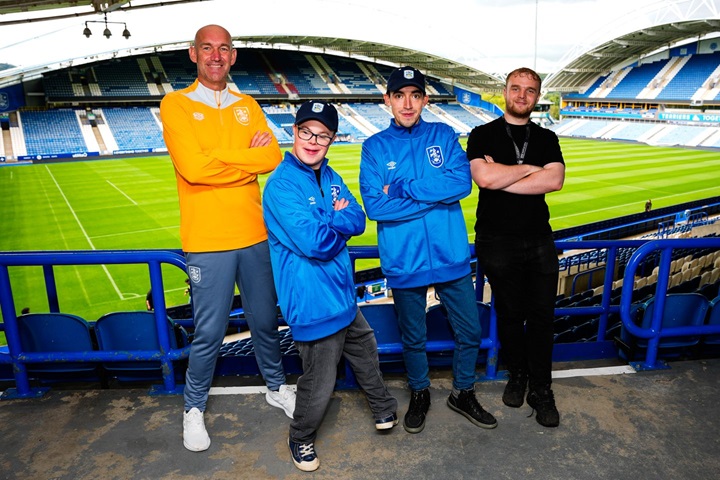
[[712, 140], [607, 87], [7, 144], [654, 87]]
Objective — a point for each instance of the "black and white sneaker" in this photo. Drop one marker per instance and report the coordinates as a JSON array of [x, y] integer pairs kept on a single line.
[[304, 456], [386, 423]]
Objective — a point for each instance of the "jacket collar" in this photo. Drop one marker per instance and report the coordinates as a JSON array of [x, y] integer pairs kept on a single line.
[[403, 132]]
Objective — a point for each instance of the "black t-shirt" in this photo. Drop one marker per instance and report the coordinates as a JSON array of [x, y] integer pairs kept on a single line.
[[503, 213]]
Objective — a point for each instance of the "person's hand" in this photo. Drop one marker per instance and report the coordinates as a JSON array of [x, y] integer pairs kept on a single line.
[[489, 159], [386, 189], [261, 139], [340, 203]]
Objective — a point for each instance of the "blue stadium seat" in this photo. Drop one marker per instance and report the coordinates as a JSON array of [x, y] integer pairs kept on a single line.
[[56, 332], [383, 319], [129, 331], [438, 325], [713, 319], [681, 309]]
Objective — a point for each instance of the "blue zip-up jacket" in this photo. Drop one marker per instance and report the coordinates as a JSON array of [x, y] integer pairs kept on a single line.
[[422, 235], [307, 237]]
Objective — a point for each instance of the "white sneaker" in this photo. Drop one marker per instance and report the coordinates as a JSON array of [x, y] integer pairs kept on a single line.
[[195, 437], [283, 398]]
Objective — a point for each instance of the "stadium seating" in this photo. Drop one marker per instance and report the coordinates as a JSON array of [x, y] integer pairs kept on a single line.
[[128, 331], [713, 319], [52, 132], [681, 309], [55, 333], [636, 80], [383, 319], [691, 77], [134, 129]]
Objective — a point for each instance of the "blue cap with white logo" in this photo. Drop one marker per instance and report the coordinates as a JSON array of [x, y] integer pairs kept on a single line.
[[320, 111], [405, 76]]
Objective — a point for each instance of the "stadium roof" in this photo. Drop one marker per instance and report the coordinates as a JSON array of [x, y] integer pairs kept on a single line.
[[656, 26], [444, 69], [627, 49]]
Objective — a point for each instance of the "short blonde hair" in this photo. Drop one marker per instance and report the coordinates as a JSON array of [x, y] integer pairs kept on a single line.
[[527, 72]]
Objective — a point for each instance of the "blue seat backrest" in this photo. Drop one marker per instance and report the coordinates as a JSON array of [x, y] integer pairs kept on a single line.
[[713, 319], [55, 332], [130, 331], [438, 325], [681, 310], [383, 319]]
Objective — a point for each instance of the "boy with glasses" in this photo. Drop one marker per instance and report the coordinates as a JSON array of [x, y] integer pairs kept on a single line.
[[310, 215]]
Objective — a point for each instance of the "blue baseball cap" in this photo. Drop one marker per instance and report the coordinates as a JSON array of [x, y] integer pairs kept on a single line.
[[320, 111], [405, 76]]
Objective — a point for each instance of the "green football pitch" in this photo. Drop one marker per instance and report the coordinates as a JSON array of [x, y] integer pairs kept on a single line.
[[132, 204]]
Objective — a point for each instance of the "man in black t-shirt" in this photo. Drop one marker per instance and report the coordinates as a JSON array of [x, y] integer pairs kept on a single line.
[[515, 163]]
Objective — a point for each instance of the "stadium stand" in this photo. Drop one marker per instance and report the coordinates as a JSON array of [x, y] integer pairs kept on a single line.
[[691, 77], [134, 129], [51, 132], [635, 81], [121, 77]]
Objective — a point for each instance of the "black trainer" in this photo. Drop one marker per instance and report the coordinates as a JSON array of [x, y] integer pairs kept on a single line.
[[414, 420], [514, 394], [542, 400], [467, 405]]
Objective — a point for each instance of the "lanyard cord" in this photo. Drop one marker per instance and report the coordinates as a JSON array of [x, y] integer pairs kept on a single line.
[[519, 156]]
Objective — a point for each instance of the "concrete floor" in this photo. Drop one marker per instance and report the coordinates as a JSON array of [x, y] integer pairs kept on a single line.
[[647, 425]]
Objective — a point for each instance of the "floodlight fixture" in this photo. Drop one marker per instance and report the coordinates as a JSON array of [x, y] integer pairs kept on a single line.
[[106, 33]]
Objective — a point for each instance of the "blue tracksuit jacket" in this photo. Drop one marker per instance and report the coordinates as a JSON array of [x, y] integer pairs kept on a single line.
[[422, 235], [311, 264]]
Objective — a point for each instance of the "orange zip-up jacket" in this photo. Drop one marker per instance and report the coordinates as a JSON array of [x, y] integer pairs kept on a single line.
[[208, 135]]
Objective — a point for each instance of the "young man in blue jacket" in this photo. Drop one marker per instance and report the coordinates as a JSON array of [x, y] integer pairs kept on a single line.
[[412, 177], [310, 215]]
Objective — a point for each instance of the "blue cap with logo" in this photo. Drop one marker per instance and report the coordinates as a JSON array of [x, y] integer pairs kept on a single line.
[[405, 76], [320, 111]]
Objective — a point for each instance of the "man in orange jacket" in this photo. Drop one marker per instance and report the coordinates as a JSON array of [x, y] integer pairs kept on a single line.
[[219, 143]]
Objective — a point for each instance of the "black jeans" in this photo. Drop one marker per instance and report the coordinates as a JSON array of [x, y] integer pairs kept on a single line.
[[523, 274], [315, 386]]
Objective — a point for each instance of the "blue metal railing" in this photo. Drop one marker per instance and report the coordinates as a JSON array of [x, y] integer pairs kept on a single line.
[[655, 332], [166, 355], [48, 260]]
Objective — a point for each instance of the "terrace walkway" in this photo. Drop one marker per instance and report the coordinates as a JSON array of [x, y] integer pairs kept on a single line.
[[645, 425]]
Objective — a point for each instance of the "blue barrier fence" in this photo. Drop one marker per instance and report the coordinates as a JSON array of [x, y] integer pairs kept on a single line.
[[656, 332], [48, 260], [600, 348]]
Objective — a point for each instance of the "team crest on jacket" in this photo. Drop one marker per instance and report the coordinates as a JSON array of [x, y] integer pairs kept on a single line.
[[335, 191], [242, 115], [195, 274], [435, 156]]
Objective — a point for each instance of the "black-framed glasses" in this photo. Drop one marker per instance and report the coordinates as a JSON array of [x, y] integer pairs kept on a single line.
[[321, 139]]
